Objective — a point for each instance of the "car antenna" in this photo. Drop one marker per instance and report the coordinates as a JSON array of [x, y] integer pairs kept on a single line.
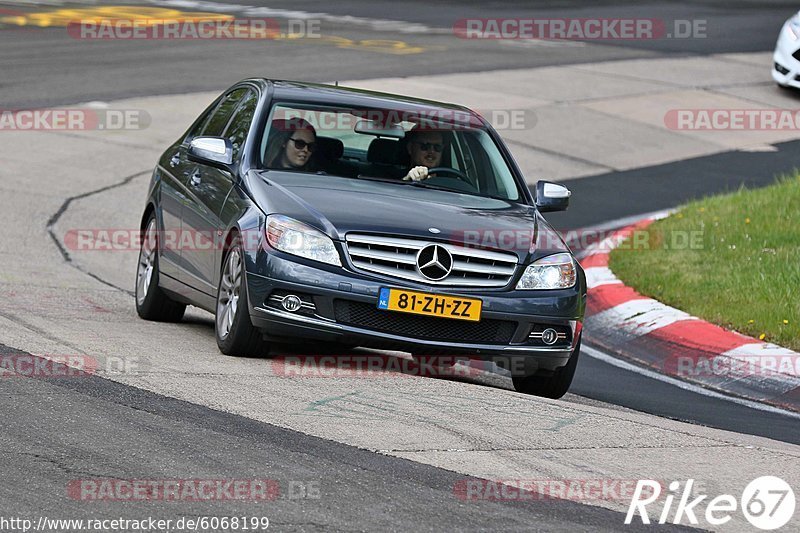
[[336, 83]]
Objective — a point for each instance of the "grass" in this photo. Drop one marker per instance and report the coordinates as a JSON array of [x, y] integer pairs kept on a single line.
[[733, 260]]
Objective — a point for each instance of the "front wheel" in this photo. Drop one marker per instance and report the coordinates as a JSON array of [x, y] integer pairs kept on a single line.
[[151, 302], [235, 334], [554, 386]]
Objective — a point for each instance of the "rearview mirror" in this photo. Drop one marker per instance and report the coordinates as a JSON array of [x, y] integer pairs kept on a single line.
[[214, 151], [370, 127], [551, 196]]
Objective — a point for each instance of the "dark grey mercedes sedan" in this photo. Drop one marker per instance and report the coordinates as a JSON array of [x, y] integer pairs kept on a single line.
[[296, 211]]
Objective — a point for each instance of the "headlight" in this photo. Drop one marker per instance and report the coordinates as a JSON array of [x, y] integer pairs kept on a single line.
[[555, 271], [294, 237]]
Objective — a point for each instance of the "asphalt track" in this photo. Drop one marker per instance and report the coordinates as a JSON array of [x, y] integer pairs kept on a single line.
[[57, 430], [147, 436], [43, 66], [660, 187]]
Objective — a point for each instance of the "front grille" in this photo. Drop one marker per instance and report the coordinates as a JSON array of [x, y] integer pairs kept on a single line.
[[367, 316], [397, 257], [796, 54]]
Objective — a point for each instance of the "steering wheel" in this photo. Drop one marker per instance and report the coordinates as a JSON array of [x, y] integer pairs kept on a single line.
[[447, 170]]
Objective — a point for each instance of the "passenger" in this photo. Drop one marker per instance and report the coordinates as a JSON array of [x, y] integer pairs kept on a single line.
[[425, 150], [291, 146]]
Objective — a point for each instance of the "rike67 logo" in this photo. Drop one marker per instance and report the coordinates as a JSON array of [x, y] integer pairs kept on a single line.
[[767, 503]]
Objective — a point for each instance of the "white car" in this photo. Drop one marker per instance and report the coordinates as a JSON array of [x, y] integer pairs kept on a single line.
[[786, 59]]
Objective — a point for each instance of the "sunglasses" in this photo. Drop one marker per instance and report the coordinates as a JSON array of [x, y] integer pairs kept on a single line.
[[301, 144], [427, 146]]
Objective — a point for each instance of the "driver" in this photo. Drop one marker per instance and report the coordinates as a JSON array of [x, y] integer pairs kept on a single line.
[[425, 150]]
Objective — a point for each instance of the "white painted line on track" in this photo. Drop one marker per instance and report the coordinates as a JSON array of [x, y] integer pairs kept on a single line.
[[760, 349], [624, 365], [597, 276], [641, 317]]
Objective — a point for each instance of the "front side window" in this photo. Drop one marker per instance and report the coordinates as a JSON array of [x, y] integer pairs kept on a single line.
[[384, 144]]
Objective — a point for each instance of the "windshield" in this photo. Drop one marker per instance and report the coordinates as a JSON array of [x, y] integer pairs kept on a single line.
[[381, 144]]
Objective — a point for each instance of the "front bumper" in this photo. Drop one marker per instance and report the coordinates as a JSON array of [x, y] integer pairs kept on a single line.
[[344, 310], [785, 67]]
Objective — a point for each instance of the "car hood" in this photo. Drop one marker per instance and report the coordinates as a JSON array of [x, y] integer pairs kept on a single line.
[[339, 206]]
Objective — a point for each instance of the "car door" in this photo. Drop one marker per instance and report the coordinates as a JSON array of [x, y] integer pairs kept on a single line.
[[207, 189], [171, 199], [174, 169]]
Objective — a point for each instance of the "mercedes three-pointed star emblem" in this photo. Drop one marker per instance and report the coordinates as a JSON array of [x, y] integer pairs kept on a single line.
[[434, 262]]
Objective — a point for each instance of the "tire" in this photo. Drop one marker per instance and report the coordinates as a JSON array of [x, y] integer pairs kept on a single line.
[[235, 333], [151, 302], [554, 386]]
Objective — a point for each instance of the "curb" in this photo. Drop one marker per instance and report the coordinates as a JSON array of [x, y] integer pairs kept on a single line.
[[677, 344]]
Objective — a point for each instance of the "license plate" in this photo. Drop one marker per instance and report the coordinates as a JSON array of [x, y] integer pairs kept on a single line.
[[420, 303]]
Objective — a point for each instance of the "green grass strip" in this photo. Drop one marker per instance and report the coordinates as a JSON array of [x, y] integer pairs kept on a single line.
[[733, 260]]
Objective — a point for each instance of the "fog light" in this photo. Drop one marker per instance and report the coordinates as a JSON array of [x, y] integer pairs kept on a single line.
[[292, 303], [549, 336]]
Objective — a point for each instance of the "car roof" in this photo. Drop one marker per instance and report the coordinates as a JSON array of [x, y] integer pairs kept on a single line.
[[348, 96]]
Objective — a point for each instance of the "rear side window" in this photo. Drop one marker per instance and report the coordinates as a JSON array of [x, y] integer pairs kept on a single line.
[[240, 123], [199, 124], [216, 122]]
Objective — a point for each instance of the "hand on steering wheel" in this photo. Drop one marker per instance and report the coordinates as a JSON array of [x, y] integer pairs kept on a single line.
[[447, 170], [417, 174]]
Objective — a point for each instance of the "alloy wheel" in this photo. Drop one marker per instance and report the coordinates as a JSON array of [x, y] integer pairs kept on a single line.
[[147, 258], [229, 290]]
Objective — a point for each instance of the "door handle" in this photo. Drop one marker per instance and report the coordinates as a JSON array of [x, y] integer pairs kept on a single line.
[[175, 160], [196, 178]]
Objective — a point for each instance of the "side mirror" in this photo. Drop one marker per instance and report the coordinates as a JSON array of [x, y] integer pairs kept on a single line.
[[551, 196], [213, 151]]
